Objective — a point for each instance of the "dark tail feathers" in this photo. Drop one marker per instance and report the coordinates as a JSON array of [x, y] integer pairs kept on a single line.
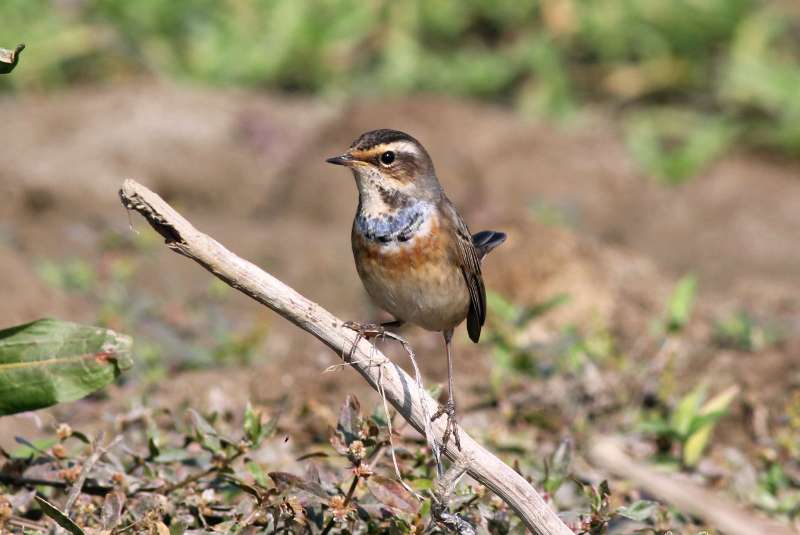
[[486, 240]]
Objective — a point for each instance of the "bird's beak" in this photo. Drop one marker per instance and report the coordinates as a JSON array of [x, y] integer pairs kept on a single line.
[[344, 159]]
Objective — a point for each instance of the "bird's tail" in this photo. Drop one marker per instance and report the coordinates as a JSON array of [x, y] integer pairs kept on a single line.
[[486, 240]]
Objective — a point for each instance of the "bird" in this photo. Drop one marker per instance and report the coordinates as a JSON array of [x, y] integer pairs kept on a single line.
[[413, 252]]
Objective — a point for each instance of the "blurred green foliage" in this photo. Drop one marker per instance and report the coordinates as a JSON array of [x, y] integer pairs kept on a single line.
[[720, 70], [690, 424]]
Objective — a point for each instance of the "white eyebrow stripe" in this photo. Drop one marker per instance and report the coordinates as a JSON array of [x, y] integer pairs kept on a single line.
[[405, 147]]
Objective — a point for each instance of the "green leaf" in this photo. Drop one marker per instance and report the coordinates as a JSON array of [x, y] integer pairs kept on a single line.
[[695, 445], [206, 435], [703, 426], [687, 410], [59, 517], [172, 456], [639, 511], [258, 474], [501, 307], [252, 425], [32, 449], [254, 430], [50, 361], [539, 309], [10, 58], [720, 402], [558, 467], [681, 303]]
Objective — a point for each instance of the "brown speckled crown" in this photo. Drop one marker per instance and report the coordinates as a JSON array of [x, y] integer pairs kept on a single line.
[[376, 137]]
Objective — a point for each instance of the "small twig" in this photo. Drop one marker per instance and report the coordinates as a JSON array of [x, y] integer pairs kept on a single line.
[[444, 488], [686, 496], [26, 524], [97, 452], [17, 481], [400, 389], [200, 475]]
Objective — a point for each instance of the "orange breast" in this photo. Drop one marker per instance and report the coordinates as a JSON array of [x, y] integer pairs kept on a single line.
[[416, 281]]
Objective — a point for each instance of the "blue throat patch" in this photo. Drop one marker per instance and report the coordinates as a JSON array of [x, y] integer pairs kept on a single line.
[[398, 225]]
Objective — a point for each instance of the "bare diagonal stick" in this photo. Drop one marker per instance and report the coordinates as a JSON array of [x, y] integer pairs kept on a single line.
[[399, 387]]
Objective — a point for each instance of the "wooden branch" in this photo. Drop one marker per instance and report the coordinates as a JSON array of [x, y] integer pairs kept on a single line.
[[608, 453], [399, 387]]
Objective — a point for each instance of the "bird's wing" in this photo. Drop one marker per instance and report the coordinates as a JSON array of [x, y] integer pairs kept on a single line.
[[468, 259]]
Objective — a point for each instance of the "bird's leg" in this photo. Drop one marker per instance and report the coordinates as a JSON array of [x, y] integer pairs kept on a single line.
[[373, 330], [450, 407]]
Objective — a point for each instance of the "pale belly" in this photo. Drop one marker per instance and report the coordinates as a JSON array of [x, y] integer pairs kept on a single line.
[[415, 281]]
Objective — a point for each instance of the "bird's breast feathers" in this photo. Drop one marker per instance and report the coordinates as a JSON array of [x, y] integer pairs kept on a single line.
[[409, 271]]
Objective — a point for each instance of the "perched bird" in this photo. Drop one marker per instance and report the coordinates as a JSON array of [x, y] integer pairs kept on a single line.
[[413, 252]]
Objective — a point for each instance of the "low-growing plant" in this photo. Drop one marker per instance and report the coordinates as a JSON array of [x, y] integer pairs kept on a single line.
[[743, 332], [689, 425], [511, 353], [679, 306], [730, 67]]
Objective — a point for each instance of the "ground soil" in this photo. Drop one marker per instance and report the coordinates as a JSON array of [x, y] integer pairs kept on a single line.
[[249, 169]]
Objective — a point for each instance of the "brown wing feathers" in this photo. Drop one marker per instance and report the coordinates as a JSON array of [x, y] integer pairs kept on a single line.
[[468, 259]]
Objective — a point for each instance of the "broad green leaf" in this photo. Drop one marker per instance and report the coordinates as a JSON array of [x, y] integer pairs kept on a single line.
[[50, 361], [9, 58], [59, 517]]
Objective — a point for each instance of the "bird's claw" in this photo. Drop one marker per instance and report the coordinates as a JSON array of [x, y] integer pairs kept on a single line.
[[369, 331], [451, 428]]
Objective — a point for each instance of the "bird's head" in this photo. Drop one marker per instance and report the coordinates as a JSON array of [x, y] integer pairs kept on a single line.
[[390, 160]]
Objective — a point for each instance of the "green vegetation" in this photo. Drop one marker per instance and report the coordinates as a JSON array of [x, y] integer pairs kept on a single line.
[[49, 361], [690, 78], [679, 308], [169, 337], [10, 58], [689, 425]]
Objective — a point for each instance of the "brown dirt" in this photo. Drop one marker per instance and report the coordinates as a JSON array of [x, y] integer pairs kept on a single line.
[[249, 169]]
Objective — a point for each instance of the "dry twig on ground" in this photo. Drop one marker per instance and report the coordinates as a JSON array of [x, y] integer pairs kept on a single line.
[[399, 388], [608, 453]]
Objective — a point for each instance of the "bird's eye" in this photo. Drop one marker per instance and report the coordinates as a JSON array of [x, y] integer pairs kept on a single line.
[[387, 157]]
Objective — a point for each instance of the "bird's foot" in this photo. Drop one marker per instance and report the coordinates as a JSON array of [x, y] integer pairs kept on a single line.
[[451, 428], [371, 331]]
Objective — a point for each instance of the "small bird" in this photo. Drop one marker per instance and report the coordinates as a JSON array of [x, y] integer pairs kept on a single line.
[[413, 252]]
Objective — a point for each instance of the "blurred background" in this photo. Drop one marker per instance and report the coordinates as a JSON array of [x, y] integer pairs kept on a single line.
[[642, 155]]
